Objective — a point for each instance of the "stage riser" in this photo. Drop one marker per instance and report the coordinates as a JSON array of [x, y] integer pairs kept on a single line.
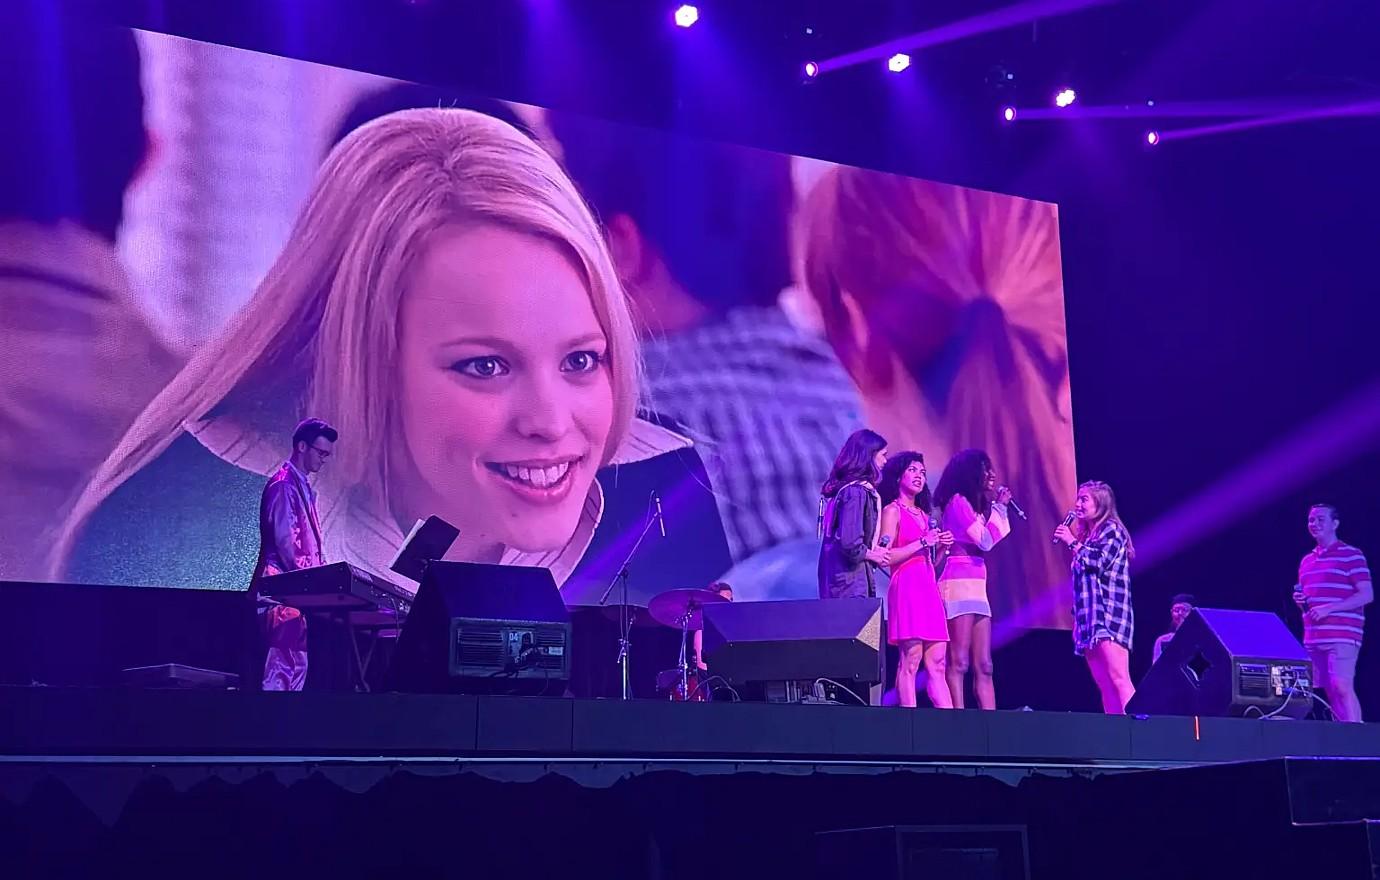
[[154, 722]]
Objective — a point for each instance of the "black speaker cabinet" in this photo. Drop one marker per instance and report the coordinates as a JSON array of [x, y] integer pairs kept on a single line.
[[922, 852], [795, 640], [1223, 662], [484, 629]]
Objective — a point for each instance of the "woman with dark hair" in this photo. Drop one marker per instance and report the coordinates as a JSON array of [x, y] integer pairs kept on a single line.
[[975, 511], [915, 618], [850, 519], [1103, 624]]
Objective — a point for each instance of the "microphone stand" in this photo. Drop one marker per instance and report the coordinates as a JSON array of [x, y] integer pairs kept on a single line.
[[624, 616]]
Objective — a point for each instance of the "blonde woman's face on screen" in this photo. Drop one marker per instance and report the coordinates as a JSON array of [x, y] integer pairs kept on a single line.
[[504, 389]]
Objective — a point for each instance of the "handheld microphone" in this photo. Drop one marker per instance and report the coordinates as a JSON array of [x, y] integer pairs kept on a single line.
[[1015, 508], [884, 541], [1068, 521], [1298, 588], [934, 551], [660, 517]]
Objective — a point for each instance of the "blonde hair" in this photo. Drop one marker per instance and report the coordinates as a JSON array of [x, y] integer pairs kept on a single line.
[[964, 288], [1105, 499], [319, 335]]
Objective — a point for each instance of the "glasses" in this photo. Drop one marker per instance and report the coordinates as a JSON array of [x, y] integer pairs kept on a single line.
[[324, 453]]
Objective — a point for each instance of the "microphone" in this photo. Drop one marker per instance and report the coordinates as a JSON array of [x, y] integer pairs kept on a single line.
[[1015, 508], [1068, 521], [934, 551], [660, 517]]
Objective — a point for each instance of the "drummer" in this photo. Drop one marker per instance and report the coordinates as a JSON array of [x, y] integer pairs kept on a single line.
[[723, 589]]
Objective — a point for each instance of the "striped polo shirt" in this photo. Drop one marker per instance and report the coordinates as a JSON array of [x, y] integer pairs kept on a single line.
[[1331, 574]]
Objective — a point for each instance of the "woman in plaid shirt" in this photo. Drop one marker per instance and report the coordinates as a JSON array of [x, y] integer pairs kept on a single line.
[[1103, 623]]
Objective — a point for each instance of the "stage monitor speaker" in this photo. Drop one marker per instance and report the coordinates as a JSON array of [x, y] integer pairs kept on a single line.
[[484, 629], [1223, 663], [795, 640]]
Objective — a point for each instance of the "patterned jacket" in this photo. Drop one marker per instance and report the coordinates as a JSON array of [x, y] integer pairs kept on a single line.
[[289, 528]]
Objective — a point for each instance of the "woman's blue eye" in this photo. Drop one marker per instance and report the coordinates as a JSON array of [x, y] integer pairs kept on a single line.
[[488, 367], [582, 362]]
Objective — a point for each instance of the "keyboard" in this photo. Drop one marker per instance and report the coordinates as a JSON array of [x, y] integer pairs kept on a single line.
[[337, 587]]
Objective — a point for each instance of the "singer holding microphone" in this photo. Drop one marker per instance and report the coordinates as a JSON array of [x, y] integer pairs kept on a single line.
[[1103, 623], [975, 512], [915, 619]]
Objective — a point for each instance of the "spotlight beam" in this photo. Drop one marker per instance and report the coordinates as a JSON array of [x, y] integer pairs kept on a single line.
[[1329, 441], [1000, 19], [1195, 109], [1369, 108]]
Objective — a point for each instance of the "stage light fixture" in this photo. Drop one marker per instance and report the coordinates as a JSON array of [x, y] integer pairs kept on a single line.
[[1008, 114], [898, 62], [811, 69], [687, 15], [1065, 97], [1152, 138]]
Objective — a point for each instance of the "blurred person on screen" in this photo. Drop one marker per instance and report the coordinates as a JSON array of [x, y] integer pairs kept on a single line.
[[78, 358], [945, 304], [700, 236], [446, 301]]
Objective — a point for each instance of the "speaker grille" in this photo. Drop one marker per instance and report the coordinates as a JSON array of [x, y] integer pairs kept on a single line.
[[481, 644], [1253, 680]]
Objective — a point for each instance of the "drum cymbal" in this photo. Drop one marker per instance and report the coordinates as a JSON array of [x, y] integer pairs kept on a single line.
[[671, 606]]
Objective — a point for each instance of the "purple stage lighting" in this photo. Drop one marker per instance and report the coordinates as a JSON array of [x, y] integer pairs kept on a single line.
[[1152, 137], [686, 15], [1008, 113], [811, 69], [1065, 97], [898, 62]]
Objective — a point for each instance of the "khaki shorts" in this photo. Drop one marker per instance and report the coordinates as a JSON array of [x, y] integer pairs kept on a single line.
[[1333, 661]]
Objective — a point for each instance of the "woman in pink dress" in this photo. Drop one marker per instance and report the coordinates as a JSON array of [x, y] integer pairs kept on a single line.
[[916, 622]]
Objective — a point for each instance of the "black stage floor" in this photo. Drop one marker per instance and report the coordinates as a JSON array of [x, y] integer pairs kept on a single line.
[[50, 721], [225, 783]]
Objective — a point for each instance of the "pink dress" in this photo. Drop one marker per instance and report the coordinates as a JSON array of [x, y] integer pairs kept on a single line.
[[914, 609]]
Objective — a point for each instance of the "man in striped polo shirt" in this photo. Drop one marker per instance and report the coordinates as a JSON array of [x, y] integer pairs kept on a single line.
[[1334, 588]]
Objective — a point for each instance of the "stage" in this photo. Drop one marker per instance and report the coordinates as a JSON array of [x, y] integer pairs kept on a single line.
[[50, 723], [434, 785]]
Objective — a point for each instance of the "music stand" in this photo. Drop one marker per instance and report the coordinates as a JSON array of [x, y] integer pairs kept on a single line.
[[428, 541]]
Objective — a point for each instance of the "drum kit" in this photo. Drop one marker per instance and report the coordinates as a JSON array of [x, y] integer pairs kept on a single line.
[[681, 609]]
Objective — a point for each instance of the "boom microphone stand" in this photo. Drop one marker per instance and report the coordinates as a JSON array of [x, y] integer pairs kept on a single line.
[[624, 615]]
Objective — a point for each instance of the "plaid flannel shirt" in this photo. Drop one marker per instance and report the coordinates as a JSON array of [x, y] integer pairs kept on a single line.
[[1102, 589], [768, 405]]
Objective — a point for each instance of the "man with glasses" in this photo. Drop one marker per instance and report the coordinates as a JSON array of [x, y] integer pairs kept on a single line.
[[290, 539]]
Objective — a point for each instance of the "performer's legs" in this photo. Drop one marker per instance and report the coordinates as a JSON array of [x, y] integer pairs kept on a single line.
[[936, 683], [960, 654], [1098, 669], [982, 663], [907, 667], [285, 665], [1341, 681], [1113, 661]]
